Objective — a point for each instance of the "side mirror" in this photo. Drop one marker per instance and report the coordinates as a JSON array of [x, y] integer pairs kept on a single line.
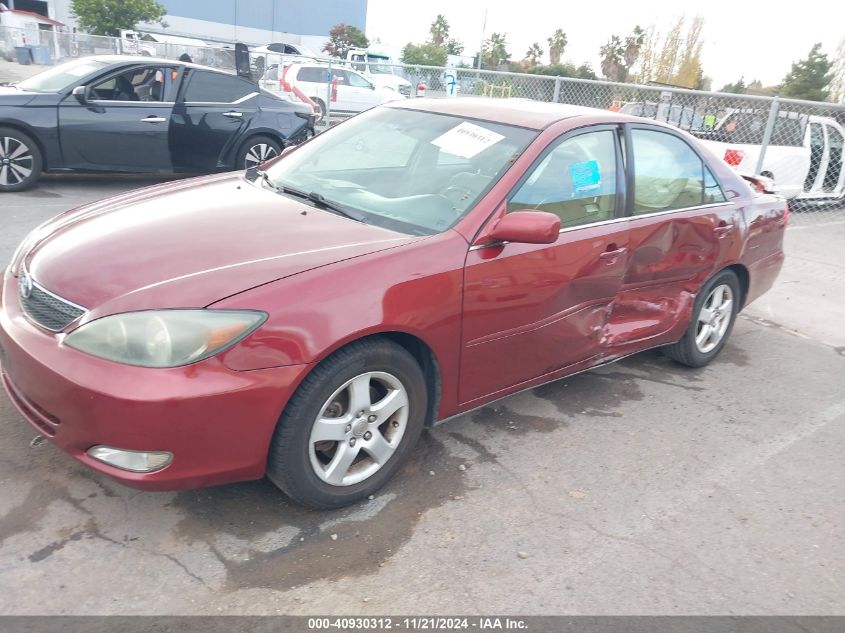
[[81, 94], [527, 227]]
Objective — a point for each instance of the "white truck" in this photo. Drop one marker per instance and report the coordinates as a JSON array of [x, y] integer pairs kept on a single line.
[[804, 157], [377, 68]]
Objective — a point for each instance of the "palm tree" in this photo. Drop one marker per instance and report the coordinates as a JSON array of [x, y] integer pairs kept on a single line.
[[633, 44], [534, 54], [557, 43], [439, 30], [611, 58], [495, 50]]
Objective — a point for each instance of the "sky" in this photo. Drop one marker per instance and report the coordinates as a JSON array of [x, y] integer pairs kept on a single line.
[[757, 40]]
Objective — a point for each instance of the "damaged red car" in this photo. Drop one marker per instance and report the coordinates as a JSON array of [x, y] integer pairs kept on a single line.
[[308, 318]]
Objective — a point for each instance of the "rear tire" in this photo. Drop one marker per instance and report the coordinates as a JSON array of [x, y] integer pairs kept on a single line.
[[349, 426], [321, 106], [20, 160], [713, 316], [257, 150]]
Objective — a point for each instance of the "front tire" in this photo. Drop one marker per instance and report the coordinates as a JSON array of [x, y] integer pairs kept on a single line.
[[713, 317], [257, 150], [20, 160], [349, 426]]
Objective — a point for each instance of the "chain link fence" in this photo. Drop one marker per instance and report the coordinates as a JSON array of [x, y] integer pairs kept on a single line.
[[799, 144]]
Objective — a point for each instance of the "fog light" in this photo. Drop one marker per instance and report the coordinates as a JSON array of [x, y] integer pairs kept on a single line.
[[136, 461]]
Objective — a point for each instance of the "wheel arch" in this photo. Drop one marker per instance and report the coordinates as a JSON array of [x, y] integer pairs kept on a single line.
[[26, 129], [421, 351], [744, 281], [252, 134]]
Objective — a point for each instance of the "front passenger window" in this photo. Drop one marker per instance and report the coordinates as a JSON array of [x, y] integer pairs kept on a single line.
[[139, 84], [576, 181]]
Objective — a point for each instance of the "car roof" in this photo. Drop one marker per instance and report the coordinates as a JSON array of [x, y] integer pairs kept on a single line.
[[143, 59], [522, 112]]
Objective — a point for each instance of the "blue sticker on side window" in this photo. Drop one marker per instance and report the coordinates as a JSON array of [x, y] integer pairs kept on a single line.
[[586, 176]]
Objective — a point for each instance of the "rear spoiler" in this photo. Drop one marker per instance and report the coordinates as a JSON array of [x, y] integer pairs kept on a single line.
[[760, 184]]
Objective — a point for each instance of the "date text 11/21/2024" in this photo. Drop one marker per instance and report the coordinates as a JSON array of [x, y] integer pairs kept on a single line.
[[421, 623]]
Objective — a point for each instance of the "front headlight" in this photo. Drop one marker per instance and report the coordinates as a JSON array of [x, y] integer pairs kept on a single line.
[[164, 338]]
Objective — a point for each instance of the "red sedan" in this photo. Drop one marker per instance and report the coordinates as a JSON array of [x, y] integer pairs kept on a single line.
[[307, 320]]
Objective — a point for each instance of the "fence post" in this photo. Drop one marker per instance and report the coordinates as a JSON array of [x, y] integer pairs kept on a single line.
[[329, 80], [556, 96], [767, 135]]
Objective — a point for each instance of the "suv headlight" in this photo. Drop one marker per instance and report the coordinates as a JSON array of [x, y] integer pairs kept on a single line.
[[164, 338]]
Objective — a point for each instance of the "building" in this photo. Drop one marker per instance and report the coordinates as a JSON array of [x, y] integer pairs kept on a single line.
[[254, 22], [29, 22]]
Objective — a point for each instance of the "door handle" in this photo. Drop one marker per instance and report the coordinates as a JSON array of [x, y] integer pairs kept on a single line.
[[154, 119], [723, 230], [613, 254], [233, 114]]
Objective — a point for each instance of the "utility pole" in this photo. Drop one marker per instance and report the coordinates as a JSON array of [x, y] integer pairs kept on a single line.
[[481, 48]]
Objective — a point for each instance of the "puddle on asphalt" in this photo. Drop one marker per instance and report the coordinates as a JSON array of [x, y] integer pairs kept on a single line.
[[248, 512]]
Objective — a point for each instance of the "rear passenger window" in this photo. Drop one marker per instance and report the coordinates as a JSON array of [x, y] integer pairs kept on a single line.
[[208, 87], [312, 75], [576, 181], [668, 174]]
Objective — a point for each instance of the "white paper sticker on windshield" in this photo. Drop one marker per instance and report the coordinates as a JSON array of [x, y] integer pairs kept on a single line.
[[466, 140]]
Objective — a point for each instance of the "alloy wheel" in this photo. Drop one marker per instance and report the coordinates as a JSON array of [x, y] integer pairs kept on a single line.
[[358, 428], [16, 161], [714, 318], [259, 153]]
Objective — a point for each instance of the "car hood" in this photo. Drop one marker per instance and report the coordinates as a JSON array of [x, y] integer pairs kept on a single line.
[[9, 95], [189, 244]]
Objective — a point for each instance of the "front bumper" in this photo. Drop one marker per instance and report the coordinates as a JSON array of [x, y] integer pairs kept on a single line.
[[217, 422]]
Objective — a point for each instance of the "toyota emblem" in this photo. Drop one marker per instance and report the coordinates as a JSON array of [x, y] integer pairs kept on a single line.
[[26, 286]]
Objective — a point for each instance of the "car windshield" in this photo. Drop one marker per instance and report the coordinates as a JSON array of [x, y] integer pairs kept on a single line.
[[61, 76], [405, 170], [380, 69]]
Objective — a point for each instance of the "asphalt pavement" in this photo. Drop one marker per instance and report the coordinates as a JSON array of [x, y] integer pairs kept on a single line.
[[639, 488]]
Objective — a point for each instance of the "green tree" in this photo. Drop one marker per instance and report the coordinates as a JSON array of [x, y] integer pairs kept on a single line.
[[108, 17], [495, 50], [342, 37], [809, 78], [737, 88], [557, 44], [584, 71], [533, 55], [454, 47], [424, 55], [439, 30]]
